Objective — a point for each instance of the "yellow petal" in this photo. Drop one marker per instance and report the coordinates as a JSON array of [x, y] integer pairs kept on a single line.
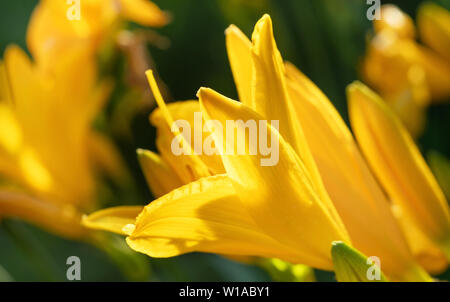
[[160, 177], [62, 220], [240, 57], [392, 18], [143, 12], [115, 220], [355, 193], [398, 164], [427, 254], [271, 98], [281, 198], [188, 165], [434, 26], [21, 73], [91, 93], [205, 216]]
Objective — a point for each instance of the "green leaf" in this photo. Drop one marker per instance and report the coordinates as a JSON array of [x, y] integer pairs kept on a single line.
[[4, 275]]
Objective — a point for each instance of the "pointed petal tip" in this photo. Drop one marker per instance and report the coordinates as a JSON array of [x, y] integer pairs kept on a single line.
[[358, 92], [262, 34], [355, 85], [266, 18], [201, 91], [208, 96], [263, 26], [144, 154], [231, 29], [11, 48]]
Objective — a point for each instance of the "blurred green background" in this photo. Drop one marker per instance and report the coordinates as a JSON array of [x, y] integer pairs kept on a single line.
[[324, 38]]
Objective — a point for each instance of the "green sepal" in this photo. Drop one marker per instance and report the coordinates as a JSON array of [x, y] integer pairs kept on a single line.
[[352, 266]]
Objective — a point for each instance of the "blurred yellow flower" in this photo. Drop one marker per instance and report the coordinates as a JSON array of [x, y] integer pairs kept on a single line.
[[406, 74], [51, 33], [320, 179], [47, 107], [47, 144]]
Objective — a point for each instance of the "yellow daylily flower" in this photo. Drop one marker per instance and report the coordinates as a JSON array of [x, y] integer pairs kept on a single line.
[[51, 32], [162, 178], [338, 159], [314, 183], [214, 218], [47, 145], [406, 74], [398, 165]]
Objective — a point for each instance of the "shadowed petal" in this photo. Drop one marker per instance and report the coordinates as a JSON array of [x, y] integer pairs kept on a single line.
[[160, 177], [206, 216], [279, 197], [398, 164]]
